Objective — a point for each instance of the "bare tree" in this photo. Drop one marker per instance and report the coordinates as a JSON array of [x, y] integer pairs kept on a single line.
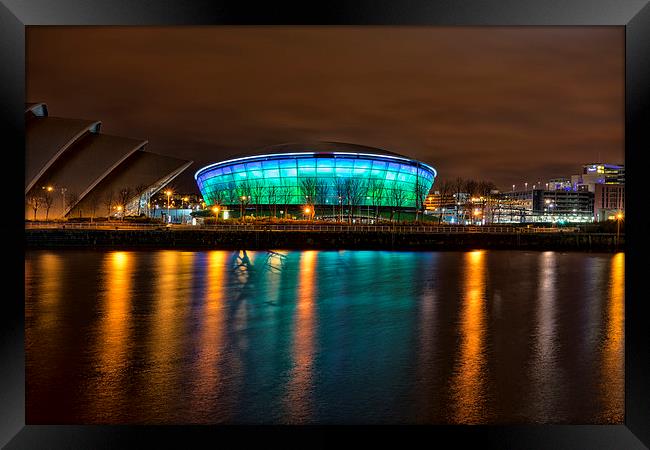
[[322, 191], [445, 188], [376, 193], [139, 190], [71, 201], [108, 202], [459, 185], [399, 197], [355, 189], [286, 194], [47, 202], [230, 193], [256, 192], [484, 191], [339, 191], [308, 191], [272, 197], [35, 202], [93, 202], [219, 197], [421, 191], [124, 196]]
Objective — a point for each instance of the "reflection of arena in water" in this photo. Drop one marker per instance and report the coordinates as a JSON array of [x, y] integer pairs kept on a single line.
[[323, 173]]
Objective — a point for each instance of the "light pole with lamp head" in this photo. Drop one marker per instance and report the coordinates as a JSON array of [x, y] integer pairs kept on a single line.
[[169, 193]]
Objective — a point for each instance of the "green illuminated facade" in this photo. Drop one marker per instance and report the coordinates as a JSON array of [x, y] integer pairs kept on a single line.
[[318, 174]]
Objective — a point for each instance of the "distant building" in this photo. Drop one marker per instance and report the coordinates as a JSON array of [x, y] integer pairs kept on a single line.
[[598, 173], [548, 206], [556, 184], [609, 200]]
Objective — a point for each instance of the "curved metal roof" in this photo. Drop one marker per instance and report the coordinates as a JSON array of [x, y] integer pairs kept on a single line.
[[46, 138], [297, 148], [322, 147]]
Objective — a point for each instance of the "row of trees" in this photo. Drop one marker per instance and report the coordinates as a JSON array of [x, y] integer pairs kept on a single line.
[[450, 197], [345, 193], [110, 200]]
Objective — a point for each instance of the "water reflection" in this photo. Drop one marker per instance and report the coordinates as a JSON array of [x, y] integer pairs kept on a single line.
[[338, 337], [207, 369], [548, 382], [164, 340], [113, 338], [613, 377], [468, 384], [51, 273], [299, 387]]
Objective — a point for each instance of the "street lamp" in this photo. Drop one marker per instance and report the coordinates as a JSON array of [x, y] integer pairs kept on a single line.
[[619, 216], [526, 185], [215, 210], [241, 206], [368, 209], [63, 195], [169, 193]]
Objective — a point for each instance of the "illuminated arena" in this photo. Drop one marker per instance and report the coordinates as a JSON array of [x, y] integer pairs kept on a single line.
[[318, 174]]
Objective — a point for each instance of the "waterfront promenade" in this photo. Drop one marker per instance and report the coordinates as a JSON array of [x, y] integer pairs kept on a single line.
[[316, 236]]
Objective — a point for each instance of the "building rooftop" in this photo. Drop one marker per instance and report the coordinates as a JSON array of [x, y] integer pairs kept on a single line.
[[321, 147]]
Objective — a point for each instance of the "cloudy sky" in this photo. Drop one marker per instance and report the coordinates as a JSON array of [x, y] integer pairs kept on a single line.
[[505, 104]]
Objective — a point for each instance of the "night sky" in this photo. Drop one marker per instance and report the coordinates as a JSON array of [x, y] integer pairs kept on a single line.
[[501, 104]]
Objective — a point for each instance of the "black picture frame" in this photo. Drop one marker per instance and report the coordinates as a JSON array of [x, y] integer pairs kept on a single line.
[[634, 15]]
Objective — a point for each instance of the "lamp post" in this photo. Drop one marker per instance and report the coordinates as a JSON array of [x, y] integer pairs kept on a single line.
[[367, 209], [619, 216], [169, 193], [216, 210], [526, 185], [63, 205]]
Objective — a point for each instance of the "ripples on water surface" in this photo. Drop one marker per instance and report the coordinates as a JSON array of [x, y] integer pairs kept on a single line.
[[324, 337]]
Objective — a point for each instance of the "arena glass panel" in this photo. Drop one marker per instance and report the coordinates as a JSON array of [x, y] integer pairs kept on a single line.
[[383, 182]]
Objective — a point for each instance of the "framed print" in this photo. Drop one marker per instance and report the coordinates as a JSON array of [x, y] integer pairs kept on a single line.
[[278, 222]]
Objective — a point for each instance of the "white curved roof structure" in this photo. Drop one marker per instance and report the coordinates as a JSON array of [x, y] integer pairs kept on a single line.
[[79, 164]]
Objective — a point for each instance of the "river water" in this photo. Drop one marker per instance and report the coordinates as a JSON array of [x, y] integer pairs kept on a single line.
[[179, 337]]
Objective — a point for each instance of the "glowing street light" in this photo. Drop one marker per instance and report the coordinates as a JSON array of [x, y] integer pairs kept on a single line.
[[619, 216], [216, 210], [169, 194], [368, 209]]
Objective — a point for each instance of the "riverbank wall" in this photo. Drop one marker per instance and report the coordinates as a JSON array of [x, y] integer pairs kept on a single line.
[[322, 240]]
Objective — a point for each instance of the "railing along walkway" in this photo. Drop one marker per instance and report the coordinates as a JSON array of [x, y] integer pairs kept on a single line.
[[303, 227]]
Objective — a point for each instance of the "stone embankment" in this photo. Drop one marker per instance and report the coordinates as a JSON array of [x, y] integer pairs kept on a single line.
[[303, 239]]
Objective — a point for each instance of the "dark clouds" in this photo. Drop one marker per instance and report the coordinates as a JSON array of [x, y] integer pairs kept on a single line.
[[506, 104]]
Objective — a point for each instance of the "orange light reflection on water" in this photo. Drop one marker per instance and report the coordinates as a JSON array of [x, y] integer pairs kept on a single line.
[[300, 382], [613, 384], [211, 332], [468, 396], [114, 330]]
